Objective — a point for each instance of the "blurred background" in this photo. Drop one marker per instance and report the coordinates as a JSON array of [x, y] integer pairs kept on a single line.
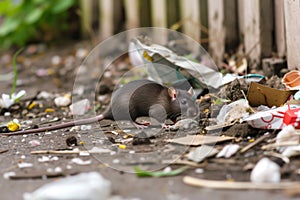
[[254, 29]]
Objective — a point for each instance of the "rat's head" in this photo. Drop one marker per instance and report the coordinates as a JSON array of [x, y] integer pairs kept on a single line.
[[182, 102]]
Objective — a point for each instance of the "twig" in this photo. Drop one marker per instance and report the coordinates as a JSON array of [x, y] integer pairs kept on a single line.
[[281, 144], [238, 185], [259, 140]]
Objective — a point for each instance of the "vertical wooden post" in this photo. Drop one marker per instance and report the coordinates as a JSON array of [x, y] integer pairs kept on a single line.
[[190, 12], [106, 18], [241, 19], [292, 23], [86, 16], [280, 27], [132, 16], [132, 13], [258, 17], [159, 19], [222, 27]]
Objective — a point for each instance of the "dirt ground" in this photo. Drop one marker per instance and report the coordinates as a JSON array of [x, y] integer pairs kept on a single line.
[[114, 167]]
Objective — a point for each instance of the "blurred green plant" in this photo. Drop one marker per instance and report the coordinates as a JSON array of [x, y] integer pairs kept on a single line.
[[29, 20]]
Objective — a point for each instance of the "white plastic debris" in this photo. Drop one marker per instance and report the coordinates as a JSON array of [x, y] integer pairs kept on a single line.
[[7, 175], [199, 171], [81, 53], [80, 107], [88, 186], [24, 165], [265, 171], [45, 95], [228, 151], [34, 143], [288, 133], [291, 151], [56, 60], [233, 111], [202, 152], [62, 101], [79, 161], [85, 127], [8, 100]]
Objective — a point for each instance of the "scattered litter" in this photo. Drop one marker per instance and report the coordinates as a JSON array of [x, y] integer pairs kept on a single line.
[[24, 165], [80, 107], [199, 171], [81, 53], [34, 143], [55, 60], [45, 95], [165, 66], [89, 186], [196, 140], [13, 125], [79, 161], [291, 80], [200, 153], [287, 134], [7, 175], [228, 151], [233, 111], [48, 158], [292, 116], [85, 127], [263, 95], [265, 171], [62, 101], [269, 119]]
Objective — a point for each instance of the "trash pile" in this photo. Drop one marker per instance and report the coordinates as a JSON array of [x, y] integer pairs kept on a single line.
[[246, 133]]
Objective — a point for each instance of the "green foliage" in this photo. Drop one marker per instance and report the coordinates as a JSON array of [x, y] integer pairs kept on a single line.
[[13, 89], [142, 173], [27, 20]]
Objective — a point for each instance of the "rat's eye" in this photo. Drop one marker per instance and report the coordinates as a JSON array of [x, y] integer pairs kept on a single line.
[[183, 101]]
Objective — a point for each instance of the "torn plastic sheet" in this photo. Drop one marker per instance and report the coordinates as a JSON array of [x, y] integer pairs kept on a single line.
[[165, 66]]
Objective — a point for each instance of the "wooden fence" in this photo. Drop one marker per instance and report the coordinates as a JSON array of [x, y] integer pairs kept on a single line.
[[261, 26]]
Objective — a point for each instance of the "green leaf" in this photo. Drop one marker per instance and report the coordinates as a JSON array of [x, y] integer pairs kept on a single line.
[[9, 26], [142, 173], [13, 89], [61, 6], [34, 16]]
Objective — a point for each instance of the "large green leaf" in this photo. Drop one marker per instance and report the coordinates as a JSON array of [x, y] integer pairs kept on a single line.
[[34, 16], [61, 6], [9, 25]]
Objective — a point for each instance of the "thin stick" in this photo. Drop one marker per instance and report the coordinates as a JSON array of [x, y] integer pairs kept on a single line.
[[238, 185], [259, 140], [281, 144]]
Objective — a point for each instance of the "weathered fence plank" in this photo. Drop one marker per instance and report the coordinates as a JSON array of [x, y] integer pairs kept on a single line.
[[222, 27], [190, 13], [279, 27], [159, 19], [86, 16], [106, 26], [258, 18], [292, 22]]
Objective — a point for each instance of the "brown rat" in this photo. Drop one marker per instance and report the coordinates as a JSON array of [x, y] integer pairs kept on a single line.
[[136, 99]]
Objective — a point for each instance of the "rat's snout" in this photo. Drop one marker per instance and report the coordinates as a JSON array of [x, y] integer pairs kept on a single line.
[[192, 112]]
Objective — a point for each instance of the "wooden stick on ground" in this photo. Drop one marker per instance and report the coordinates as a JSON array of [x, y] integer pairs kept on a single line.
[[238, 185], [259, 140]]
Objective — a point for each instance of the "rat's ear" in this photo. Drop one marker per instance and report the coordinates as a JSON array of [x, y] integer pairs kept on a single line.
[[172, 93], [191, 91]]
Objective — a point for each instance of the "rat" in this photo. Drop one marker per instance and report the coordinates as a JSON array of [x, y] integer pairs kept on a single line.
[[136, 99]]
